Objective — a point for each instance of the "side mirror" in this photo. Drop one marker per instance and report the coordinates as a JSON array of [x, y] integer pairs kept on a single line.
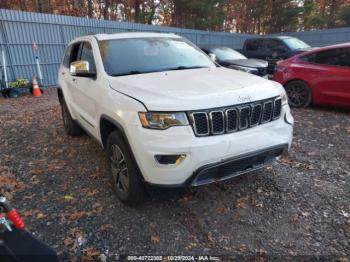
[[212, 57], [81, 68]]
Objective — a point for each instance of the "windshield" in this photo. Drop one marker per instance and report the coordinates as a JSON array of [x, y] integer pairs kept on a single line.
[[226, 53], [145, 55], [295, 43]]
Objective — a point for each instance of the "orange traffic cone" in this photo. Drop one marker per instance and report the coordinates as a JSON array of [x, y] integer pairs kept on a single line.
[[36, 89]]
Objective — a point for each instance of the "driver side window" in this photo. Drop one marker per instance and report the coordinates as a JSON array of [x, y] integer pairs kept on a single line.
[[275, 45], [80, 51], [87, 55]]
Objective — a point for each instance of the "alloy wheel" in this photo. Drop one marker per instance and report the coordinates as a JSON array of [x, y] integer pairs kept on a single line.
[[298, 94], [119, 170]]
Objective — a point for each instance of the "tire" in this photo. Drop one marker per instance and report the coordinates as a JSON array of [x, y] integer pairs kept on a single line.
[[299, 94], [70, 125], [126, 178]]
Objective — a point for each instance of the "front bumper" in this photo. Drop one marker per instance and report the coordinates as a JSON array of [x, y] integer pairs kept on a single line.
[[205, 153], [236, 166]]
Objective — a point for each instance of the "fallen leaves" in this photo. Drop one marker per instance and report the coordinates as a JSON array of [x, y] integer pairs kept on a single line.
[[97, 208], [155, 239], [90, 254], [222, 210], [40, 216], [33, 213], [74, 239], [9, 183], [76, 215], [69, 198], [242, 248], [210, 238], [242, 202], [37, 171], [106, 227]]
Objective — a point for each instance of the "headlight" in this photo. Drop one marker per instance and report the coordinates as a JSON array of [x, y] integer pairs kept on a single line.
[[243, 69], [156, 120], [284, 98], [247, 70]]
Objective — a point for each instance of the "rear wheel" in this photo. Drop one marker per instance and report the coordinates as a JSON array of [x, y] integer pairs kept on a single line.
[[126, 178], [70, 125], [299, 94]]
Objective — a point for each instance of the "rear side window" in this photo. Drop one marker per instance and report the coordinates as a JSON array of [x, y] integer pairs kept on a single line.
[[254, 45], [335, 57], [66, 59]]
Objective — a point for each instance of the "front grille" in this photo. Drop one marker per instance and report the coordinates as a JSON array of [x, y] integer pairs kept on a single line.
[[262, 71], [233, 118]]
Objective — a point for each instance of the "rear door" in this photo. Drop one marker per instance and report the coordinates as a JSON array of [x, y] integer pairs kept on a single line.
[[66, 80], [333, 76]]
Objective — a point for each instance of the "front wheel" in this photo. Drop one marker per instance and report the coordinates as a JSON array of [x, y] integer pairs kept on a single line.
[[298, 93], [126, 178]]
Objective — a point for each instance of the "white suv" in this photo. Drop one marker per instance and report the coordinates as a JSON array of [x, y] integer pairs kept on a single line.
[[166, 114]]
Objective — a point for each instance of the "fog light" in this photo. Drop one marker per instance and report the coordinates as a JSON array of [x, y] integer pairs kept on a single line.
[[170, 159]]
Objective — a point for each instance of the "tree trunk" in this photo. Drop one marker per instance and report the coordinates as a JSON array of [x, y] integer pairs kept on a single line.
[[90, 9], [137, 11]]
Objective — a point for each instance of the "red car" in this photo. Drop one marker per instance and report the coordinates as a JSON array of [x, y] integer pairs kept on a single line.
[[320, 76]]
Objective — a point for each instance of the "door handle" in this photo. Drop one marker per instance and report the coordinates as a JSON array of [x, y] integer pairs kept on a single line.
[[63, 73], [74, 79]]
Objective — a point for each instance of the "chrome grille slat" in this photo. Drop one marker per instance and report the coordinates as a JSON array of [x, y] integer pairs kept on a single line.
[[235, 118]]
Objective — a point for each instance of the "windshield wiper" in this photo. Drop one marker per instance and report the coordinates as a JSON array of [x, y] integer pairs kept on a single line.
[[184, 68], [136, 72], [133, 72]]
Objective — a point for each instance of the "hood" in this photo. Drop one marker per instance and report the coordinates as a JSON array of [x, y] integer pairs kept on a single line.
[[194, 89], [252, 62]]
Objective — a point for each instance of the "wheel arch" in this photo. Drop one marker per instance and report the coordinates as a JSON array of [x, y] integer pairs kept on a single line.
[[60, 94], [108, 125]]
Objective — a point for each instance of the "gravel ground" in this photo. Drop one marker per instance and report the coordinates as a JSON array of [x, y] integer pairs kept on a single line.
[[298, 208]]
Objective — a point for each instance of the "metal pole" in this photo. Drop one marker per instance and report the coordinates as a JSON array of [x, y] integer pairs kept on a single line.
[[4, 65], [39, 69], [36, 53]]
